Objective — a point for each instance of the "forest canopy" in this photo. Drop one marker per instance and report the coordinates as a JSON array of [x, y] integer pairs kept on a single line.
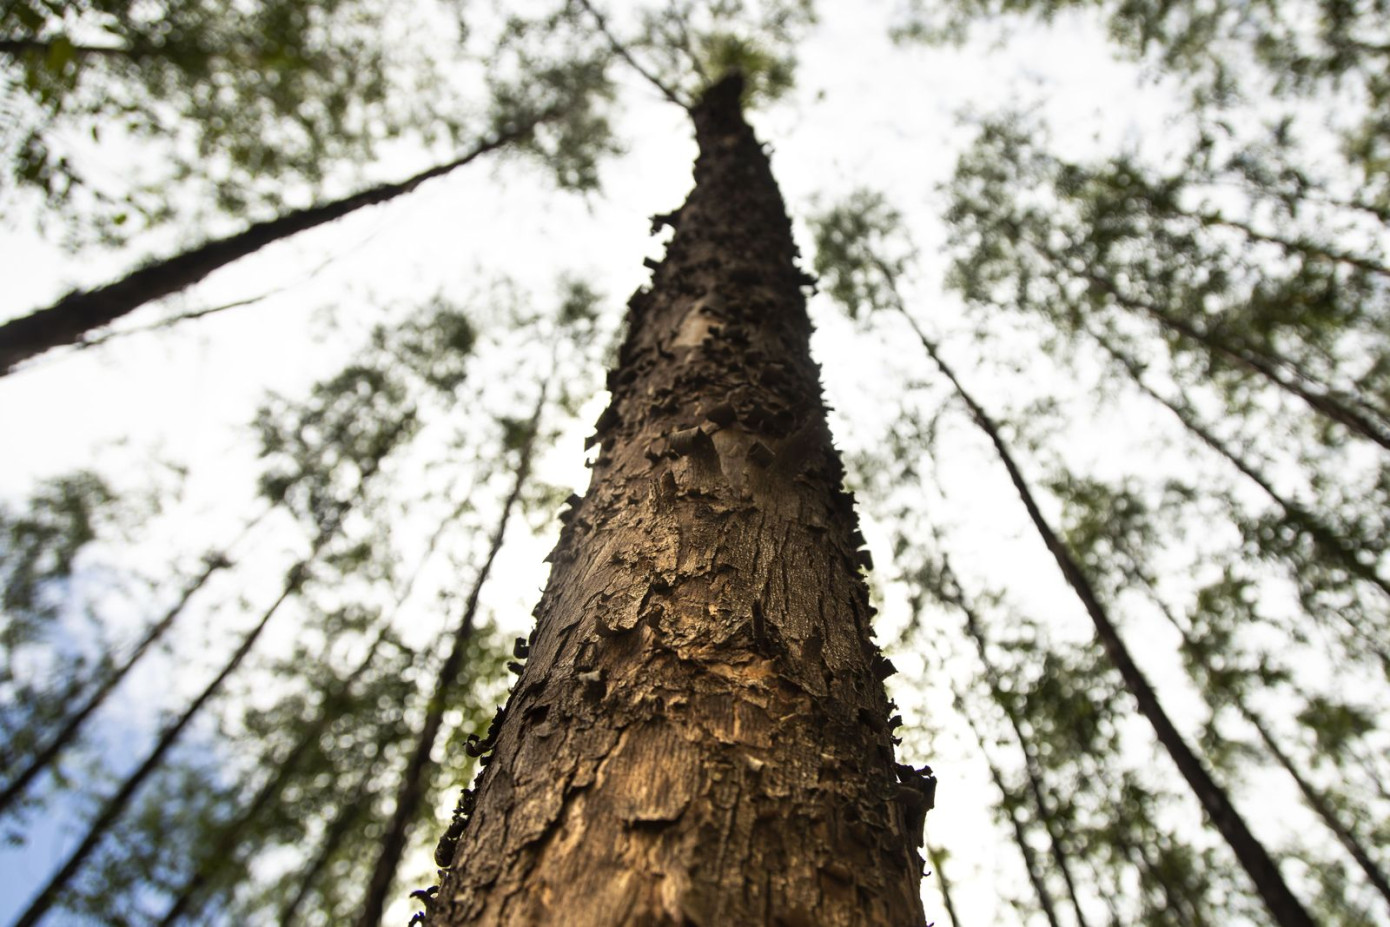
[[307, 316]]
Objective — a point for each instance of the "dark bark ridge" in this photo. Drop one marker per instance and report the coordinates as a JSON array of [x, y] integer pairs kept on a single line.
[[701, 735]]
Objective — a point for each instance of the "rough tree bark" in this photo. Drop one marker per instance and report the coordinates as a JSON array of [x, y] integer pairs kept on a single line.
[[701, 735]]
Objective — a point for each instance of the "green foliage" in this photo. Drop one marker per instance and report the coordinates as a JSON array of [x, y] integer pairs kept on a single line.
[[766, 76], [549, 70], [568, 98], [256, 94], [44, 669], [685, 46], [859, 253], [1099, 251], [579, 304], [251, 109], [319, 454], [1231, 54], [435, 344], [1336, 725], [39, 548]]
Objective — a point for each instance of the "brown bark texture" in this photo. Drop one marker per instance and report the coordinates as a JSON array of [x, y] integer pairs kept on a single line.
[[701, 735]]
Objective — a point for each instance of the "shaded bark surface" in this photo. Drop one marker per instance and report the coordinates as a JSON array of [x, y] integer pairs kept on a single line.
[[701, 734]]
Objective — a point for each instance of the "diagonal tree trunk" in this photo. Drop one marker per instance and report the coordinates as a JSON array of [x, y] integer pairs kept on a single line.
[[115, 806], [1321, 806], [226, 845], [938, 863], [1318, 397], [701, 735], [413, 785], [194, 893], [355, 812], [67, 320], [66, 734], [1009, 806], [1284, 907], [1316, 800], [1301, 518], [1033, 772]]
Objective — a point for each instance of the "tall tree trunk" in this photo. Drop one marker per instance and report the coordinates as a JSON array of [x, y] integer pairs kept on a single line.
[[117, 805], [414, 782], [1009, 804], [938, 864], [67, 733], [1322, 807], [1032, 769], [1284, 907], [701, 735], [1316, 800], [71, 317]]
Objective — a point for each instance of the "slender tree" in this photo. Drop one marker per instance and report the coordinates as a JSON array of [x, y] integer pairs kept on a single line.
[[322, 68], [700, 734], [283, 769], [120, 801], [355, 811], [69, 319], [68, 728], [938, 864], [42, 550], [1010, 807], [413, 786], [331, 451], [1037, 790], [1283, 905], [856, 271]]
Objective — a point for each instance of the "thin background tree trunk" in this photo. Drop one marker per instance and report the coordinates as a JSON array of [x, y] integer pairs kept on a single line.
[[70, 318], [1284, 907], [414, 781], [66, 734]]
